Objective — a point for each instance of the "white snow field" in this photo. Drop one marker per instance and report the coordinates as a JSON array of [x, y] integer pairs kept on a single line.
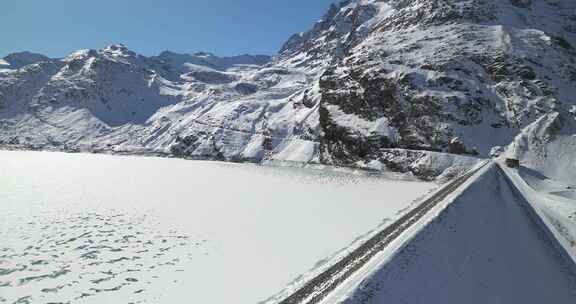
[[82, 228], [487, 246]]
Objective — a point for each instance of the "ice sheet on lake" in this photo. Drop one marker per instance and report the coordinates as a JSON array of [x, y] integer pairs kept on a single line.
[[94, 228]]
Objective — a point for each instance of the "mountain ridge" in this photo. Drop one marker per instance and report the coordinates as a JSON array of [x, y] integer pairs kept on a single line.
[[370, 80]]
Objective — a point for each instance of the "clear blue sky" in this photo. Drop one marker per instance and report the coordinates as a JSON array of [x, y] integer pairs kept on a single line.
[[224, 27]]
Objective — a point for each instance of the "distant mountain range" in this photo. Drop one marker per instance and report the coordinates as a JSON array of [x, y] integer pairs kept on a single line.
[[373, 83]]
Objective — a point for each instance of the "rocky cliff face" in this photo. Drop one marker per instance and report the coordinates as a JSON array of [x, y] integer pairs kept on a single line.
[[452, 76], [386, 81]]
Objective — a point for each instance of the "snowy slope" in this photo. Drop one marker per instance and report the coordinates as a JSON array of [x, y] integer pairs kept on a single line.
[[548, 146], [547, 176], [418, 74], [187, 105], [486, 247], [84, 228]]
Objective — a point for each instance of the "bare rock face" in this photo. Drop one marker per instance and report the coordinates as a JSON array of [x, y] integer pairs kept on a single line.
[[521, 3], [436, 70], [2, 101]]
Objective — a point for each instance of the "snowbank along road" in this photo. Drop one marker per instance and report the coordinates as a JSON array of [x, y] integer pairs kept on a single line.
[[539, 222]]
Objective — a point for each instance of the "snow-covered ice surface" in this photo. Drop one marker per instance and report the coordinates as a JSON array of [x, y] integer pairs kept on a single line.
[[486, 247], [83, 228]]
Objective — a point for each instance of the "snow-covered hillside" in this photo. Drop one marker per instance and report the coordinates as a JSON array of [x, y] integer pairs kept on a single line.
[[199, 106], [548, 146], [420, 74], [547, 176], [370, 78]]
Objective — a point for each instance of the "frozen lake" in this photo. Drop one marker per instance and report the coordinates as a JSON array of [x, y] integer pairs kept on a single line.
[[84, 228]]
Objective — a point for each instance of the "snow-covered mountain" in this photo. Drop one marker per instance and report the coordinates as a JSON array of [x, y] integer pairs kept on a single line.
[[18, 60], [548, 146], [456, 76], [116, 99], [373, 82], [547, 177]]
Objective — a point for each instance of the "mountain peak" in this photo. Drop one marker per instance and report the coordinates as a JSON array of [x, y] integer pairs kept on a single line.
[[182, 61], [20, 59], [119, 50], [204, 54], [336, 30], [117, 47]]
